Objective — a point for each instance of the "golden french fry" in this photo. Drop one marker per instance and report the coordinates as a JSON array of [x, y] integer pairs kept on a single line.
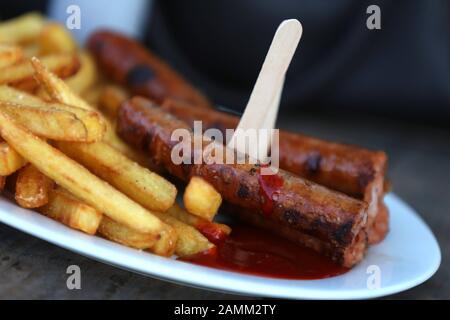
[[117, 143], [65, 208], [163, 244], [92, 120], [190, 241], [55, 38], [22, 29], [58, 90], [111, 99], [78, 180], [10, 160], [212, 231], [129, 237], [9, 55], [201, 199], [140, 184], [166, 244], [21, 75], [47, 122], [86, 76], [19, 97], [32, 188]]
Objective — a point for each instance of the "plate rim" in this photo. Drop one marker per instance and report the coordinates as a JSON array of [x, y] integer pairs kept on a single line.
[[189, 275]]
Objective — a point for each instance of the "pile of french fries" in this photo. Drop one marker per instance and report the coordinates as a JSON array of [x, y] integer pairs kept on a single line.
[[60, 155]]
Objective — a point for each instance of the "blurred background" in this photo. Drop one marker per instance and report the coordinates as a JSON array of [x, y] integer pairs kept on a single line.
[[403, 69], [385, 89]]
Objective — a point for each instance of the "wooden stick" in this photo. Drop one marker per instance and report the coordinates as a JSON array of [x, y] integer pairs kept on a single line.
[[262, 108]]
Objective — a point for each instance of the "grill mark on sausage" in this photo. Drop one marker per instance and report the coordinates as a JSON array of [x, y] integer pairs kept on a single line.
[[291, 216], [340, 235], [243, 191]]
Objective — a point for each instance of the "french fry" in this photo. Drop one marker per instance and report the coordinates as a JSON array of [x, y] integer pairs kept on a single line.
[[54, 38], [21, 75], [10, 160], [22, 29], [111, 99], [86, 76], [129, 237], [201, 199], [140, 184], [18, 96], [58, 90], [32, 188], [214, 232], [190, 241], [94, 123], [47, 122], [117, 143], [78, 180], [9, 55], [65, 208], [166, 244]]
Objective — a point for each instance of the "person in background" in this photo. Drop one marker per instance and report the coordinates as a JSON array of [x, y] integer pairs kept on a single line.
[[341, 65]]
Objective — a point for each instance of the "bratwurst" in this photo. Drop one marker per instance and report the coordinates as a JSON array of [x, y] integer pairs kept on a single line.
[[127, 62], [354, 171], [288, 200]]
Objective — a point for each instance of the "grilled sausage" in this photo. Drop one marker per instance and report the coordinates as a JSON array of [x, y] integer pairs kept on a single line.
[[346, 256], [380, 227], [130, 64], [354, 171], [295, 203]]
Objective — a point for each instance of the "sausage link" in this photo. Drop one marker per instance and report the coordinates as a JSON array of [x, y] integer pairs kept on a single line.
[[130, 64], [299, 204], [354, 171], [340, 167], [346, 256]]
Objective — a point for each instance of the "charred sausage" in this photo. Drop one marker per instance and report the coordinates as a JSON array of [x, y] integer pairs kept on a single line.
[[296, 203], [354, 171], [130, 64]]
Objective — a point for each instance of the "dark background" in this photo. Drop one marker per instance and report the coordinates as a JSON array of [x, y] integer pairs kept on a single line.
[[386, 89], [402, 69]]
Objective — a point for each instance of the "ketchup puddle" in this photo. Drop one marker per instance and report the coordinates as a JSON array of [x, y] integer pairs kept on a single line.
[[253, 251]]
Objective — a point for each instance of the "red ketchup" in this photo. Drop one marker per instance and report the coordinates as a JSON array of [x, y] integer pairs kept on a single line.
[[256, 252], [211, 232], [269, 188]]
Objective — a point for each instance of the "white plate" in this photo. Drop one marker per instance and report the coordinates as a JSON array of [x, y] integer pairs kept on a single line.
[[406, 258]]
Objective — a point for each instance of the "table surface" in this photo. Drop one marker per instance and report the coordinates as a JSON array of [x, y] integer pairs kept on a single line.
[[419, 167]]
